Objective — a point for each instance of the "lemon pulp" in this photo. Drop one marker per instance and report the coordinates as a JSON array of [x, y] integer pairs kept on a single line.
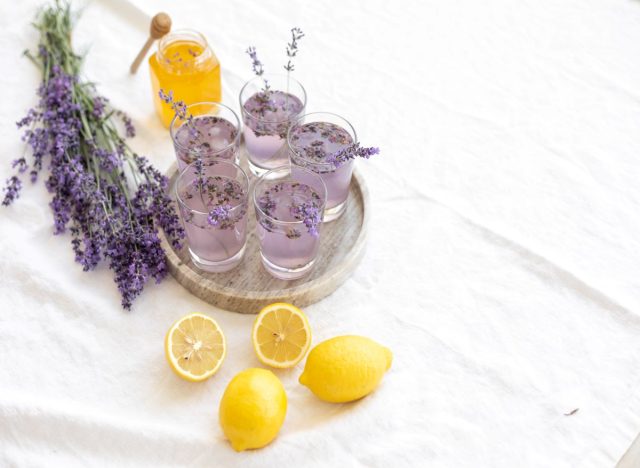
[[281, 335], [195, 347]]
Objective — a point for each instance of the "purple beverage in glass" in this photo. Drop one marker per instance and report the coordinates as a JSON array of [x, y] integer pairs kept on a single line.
[[213, 201], [289, 203], [214, 132], [312, 140], [267, 116]]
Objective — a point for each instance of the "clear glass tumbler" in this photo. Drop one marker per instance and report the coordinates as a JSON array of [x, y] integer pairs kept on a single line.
[[267, 115], [289, 202], [312, 140], [213, 132], [213, 201]]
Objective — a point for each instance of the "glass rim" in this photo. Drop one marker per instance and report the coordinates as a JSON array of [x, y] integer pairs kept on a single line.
[[267, 75], [172, 36], [182, 173], [263, 178], [235, 142], [303, 157]]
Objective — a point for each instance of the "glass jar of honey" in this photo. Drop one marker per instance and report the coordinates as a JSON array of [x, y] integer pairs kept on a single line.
[[186, 65]]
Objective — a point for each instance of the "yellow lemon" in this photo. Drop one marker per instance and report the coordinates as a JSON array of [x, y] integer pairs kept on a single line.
[[195, 347], [345, 368], [252, 409], [281, 335]]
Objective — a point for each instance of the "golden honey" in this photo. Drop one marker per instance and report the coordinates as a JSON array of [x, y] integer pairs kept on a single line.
[[186, 65]]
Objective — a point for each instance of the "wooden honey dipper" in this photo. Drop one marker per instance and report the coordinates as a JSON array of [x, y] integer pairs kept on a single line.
[[160, 25]]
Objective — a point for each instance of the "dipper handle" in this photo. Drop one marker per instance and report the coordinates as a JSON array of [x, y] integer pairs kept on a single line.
[[160, 25]]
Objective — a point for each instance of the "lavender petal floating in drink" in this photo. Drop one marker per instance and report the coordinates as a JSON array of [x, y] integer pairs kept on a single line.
[[289, 203], [213, 199], [267, 116], [210, 130]]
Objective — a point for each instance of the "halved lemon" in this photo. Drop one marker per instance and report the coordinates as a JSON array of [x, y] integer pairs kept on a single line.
[[281, 335], [195, 347]]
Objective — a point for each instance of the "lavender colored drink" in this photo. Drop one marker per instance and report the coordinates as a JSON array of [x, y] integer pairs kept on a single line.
[[289, 211], [312, 145], [212, 132], [213, 208], [267, 116]]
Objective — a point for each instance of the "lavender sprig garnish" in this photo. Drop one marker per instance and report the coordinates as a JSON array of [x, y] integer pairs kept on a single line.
[[110, 199], [352, 151], [310, 215], [292, 48], [199, 181], [258, 68], [179, 107], [292, 51]]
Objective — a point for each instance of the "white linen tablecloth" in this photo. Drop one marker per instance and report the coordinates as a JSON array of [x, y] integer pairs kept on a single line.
[[503, 265]]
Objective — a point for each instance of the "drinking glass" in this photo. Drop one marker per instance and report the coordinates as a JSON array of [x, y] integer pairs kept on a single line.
[[289, 202], [212, 198], [312, 140], [213, 132], [267, 116]]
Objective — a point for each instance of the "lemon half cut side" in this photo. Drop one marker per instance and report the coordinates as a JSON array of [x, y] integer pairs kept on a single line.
[[195, 347], [281, 335]]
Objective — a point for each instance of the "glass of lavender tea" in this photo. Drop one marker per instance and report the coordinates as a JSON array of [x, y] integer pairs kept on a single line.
[[314, 140], [289, 202], [211, 131], [267, 114], [212, 199]]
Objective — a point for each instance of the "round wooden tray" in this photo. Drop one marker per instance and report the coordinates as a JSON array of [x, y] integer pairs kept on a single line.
[[248, 288]]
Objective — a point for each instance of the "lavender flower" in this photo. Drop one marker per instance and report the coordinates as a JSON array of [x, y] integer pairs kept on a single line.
[[99, 105], [351, 152], [292, 51], [92, 198], [219, 215], [11, 190], [179, 107], [199, 180], [257, 67], [292, 48], [21, 164], [130, 130], [267, 205], [310, 215]]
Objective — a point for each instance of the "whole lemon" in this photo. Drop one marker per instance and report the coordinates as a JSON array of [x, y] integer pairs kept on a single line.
[[252, 409], [345, 368]]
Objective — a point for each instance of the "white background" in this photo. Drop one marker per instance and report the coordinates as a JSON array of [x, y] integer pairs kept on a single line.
[[503, 265]]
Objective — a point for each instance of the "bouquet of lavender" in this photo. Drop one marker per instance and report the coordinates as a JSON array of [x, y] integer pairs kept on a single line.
[[110, 199]]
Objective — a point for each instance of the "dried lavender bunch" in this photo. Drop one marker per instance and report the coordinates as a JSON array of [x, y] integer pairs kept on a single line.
[[353, 151], [111, 200]]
